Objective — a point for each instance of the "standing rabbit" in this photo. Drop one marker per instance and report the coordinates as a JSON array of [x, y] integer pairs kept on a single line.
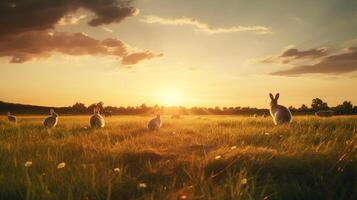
[[51, 121], [280, 114], [11, 118], [155, 124], [96, 120]]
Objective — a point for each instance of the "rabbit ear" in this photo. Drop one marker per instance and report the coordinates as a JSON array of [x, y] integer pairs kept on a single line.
[[277, 96], [271, 96]]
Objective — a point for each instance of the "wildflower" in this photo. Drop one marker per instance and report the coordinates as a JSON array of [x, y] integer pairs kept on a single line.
[[28, 163], [61, 165], [233, 147], [243, 181], [116, 170], [218, 157], [142, 185], [183, 196]]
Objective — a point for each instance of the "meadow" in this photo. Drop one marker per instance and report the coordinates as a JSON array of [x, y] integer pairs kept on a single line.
[[195, 157]]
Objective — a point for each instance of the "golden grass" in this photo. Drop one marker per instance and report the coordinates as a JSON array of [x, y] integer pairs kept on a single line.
[[195, 157]]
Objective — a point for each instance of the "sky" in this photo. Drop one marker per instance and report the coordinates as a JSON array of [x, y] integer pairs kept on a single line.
[[178, 52]]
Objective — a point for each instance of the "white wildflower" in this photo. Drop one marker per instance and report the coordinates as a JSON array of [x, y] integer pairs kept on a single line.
[[183, 196], [28, 163], [243, 181], [61, 165]]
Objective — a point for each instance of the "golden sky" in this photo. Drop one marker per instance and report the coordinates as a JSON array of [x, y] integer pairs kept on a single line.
[[174, 52]]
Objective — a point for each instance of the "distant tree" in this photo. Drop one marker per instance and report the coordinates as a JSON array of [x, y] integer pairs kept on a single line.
[[217, 110], [144, 106], [79, 108], [303, 107], [355, 110], [292, 109], [345, 108], [318, 104]]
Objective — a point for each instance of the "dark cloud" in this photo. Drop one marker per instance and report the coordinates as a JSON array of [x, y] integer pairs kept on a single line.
[[340, 63], [108, 11], [17, 16], [311, 53], [27, 30], [40, 44], [293, 54]]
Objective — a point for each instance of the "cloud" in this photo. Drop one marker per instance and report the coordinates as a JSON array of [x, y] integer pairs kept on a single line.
[[293, 54], [40, 44], [311, 53], [71, 19], [108, 29], [28, 29], [134, 58], [204, 26], [30, 15], [338, 63]]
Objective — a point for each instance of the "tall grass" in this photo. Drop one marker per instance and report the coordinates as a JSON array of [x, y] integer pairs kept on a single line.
[[196, 157]]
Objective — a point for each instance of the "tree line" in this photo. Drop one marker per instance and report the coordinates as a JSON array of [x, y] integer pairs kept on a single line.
[[317, 104]]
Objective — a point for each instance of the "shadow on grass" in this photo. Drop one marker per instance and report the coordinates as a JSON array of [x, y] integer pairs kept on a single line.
[[306, 176]]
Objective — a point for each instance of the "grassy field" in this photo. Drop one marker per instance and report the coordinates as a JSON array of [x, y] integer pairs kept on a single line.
[[196, 157]]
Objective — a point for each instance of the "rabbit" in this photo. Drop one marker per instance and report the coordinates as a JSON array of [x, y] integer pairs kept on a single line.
[[51, 121], [280, 114], [11, 118], [155, 124], [96, 120]]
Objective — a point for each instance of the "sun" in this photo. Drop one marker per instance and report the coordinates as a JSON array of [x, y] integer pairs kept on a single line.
[[170, 97]]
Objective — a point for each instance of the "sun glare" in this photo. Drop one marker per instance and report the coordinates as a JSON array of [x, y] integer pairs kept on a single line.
[[170, 97]]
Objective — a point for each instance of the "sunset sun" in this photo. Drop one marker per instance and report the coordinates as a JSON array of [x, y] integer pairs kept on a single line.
[[170, 97]]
